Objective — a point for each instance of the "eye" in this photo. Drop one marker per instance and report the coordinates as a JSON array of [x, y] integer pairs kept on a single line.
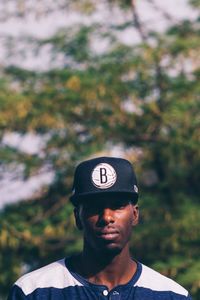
[[90, 209], [119, 205]]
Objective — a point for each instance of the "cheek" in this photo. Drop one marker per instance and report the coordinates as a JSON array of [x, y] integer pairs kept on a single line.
[[89, 223], [126, 223]]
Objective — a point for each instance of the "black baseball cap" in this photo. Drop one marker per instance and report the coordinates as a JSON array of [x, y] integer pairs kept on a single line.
[[104, 176]]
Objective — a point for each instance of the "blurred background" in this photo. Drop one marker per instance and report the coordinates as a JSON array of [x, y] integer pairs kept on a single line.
[[85, 78]]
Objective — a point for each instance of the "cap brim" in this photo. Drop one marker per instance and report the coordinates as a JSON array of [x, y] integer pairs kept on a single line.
[[101, 195]]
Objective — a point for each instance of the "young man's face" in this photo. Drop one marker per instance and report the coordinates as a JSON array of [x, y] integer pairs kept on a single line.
[[106, 223]]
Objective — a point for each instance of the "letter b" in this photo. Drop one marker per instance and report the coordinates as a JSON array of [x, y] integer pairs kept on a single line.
[[103, 175]]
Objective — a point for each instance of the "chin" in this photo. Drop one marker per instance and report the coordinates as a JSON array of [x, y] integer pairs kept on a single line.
[[110, 249]]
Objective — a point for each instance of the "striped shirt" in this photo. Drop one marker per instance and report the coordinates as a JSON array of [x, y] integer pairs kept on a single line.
[[57, 282]]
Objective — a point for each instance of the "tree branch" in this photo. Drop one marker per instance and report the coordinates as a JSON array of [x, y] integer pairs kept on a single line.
[[165, 14], [137, 22]]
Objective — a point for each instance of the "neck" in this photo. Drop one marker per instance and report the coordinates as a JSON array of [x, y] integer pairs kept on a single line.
[[108, 268]]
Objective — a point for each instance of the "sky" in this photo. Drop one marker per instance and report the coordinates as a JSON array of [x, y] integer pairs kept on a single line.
[[41, 27], [13, 189]]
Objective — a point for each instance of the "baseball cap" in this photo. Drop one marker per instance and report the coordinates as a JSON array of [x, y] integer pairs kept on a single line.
[[104, 176]]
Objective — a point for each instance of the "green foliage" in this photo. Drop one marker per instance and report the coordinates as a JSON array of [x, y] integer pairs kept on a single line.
[[144, 98], [195, 3]]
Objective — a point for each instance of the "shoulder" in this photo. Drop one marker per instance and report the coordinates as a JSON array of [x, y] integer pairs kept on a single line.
[[54, 275], [151, 279]]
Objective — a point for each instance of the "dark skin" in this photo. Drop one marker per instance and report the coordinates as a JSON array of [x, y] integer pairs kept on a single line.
[[107, 225]]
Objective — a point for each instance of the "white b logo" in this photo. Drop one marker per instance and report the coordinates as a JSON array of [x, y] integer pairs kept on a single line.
[[104, 176]]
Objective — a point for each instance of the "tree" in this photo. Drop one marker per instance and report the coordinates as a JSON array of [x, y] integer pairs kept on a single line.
[[143, 98]]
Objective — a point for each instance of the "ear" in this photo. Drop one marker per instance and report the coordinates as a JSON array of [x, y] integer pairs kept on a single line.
[[77, 218], [135, 215]]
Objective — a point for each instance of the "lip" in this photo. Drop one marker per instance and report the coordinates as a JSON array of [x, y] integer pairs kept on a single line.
[[108, 234]]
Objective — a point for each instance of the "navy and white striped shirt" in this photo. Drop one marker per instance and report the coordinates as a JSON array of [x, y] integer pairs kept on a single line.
[[56, 282]]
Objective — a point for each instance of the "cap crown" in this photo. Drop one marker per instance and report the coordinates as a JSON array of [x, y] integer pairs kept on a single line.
[[102, 176]]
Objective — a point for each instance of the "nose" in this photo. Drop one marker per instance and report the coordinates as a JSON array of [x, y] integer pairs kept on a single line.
[[106, 217]]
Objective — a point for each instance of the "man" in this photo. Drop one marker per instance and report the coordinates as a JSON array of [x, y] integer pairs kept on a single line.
[[105, 198]]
